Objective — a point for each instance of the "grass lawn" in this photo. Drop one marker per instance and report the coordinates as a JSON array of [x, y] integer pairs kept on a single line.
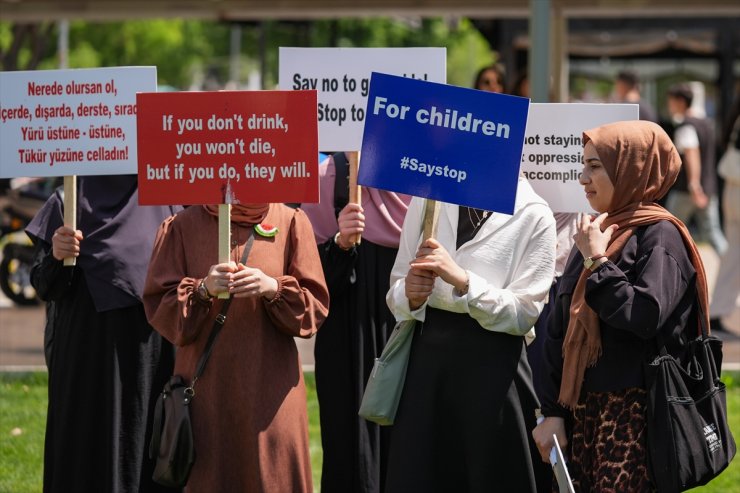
[[22, 427], [23, 413]]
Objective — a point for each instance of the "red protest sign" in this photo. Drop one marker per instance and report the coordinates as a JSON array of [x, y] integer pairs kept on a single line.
[[227, 147]]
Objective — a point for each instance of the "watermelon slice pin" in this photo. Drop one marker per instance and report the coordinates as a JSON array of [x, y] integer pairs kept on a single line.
[[266, 230]]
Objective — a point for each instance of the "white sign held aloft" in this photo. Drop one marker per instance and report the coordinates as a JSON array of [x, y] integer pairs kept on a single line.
[[70, 122], [342, 78], [553, 148]]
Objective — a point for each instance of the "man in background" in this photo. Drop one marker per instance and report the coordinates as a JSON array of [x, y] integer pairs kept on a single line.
[[694, 195], [627, 90]]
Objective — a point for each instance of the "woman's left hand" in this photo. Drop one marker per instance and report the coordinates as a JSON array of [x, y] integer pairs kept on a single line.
[[589, 237], [250, 282], [432, 256]]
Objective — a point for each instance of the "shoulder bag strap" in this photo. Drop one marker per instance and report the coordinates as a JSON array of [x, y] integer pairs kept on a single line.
[[219, 322]]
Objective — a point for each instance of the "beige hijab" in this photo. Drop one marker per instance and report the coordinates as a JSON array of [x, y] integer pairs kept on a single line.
[[642, 163]]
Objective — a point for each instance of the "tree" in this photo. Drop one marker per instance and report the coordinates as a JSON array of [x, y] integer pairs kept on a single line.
[[24, 45], [186, 52]]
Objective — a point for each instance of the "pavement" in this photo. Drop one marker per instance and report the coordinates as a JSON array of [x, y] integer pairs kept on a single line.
[[22, 332]]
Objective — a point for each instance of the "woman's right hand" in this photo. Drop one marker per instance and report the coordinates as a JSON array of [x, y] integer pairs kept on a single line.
[[218, 278], [351, 222], [543, 433], [66, 243], [419, 285]]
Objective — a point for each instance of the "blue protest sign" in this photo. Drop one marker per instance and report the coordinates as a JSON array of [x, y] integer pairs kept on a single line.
[[442, 142]]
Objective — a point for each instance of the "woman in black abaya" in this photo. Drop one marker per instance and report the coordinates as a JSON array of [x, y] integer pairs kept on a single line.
[[106, 364]]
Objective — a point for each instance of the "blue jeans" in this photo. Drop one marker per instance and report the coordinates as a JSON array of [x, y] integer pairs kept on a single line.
[[707, 219]]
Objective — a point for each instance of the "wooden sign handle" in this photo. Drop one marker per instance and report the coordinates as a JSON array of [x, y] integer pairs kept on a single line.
[[431, 217], [224, 238], [355, 191], [70, 210]]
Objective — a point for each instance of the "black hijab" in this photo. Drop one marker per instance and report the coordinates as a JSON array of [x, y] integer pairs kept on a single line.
[[118, 235]]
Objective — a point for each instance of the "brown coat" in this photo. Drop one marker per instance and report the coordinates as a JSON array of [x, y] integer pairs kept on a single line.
[[249, 411]]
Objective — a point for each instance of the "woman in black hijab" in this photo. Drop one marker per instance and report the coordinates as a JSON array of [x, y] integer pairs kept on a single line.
[[106, 364]]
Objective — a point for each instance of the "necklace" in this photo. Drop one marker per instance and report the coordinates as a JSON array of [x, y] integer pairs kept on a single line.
[[478, 219]]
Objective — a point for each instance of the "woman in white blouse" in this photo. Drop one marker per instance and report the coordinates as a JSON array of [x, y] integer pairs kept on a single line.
[[468, 407]]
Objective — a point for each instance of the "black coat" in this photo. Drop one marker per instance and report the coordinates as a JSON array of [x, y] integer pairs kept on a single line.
[[649, 292]]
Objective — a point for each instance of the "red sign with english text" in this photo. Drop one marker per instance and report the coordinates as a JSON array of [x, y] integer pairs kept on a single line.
[[227, 147]]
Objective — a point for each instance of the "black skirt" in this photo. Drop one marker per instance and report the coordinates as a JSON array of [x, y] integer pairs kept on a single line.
[[106, 369], [353, 335], [467, 411]]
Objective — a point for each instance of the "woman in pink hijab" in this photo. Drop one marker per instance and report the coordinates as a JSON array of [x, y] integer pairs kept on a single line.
[[358, 324]]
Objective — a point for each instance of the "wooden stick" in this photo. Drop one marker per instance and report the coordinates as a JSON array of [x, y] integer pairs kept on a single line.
[[431, 217], [224, 238], [70, 210], [355, 191]]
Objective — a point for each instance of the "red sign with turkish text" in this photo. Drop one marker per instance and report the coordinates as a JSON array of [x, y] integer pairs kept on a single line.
[[227, 147]]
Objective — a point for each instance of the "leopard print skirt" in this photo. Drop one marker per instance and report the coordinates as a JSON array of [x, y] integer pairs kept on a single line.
[[608, 447]]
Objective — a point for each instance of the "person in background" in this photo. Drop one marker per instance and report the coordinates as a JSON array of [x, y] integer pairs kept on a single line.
[[634, 275], [106, 364], [490, 78], [725, 307], [358, 325], [468, 406], [627, 90], [694, 195], [521, 85], [250, 421]]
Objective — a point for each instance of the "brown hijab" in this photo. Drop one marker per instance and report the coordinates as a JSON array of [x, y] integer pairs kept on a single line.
[[642, 163], [243, 213]]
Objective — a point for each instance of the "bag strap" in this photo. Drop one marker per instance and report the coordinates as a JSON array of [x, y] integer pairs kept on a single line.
[[341, 182], [219, 322], [156, 429]]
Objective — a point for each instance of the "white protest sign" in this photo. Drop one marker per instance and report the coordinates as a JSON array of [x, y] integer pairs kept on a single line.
[[342, 77], [71, 122], [553, 148]]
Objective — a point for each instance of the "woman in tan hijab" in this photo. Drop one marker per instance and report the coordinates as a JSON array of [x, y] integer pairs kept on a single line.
[[249, 413], [634, 275]]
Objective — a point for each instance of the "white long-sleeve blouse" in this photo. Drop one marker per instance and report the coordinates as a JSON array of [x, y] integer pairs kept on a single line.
[[510, 263]]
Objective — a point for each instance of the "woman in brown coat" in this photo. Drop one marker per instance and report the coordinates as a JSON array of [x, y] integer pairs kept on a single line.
[[249, 414]]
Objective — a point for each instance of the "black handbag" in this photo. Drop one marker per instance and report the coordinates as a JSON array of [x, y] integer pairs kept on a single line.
[[172, 446], [689, 439]]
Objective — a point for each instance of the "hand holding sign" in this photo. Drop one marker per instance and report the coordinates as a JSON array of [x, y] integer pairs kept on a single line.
[[351, 223], [218, 278], [419, 286], [250, 282], [434, 258], [420, 282], [66, 243]]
